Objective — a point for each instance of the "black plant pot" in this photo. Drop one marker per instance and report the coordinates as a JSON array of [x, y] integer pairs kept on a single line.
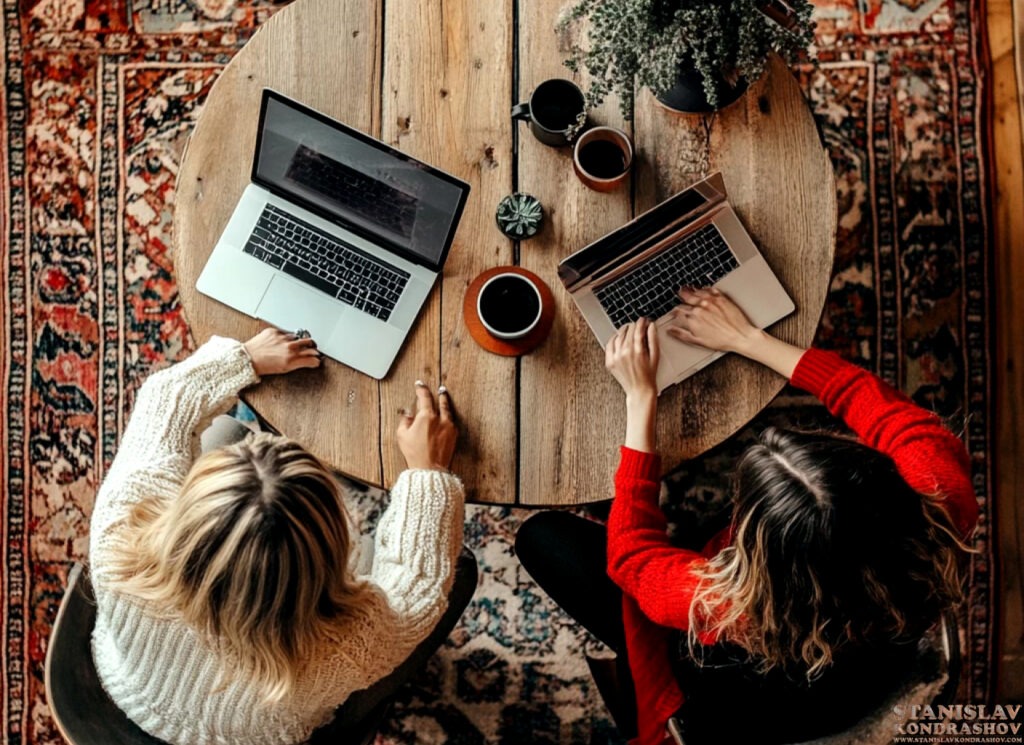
[[688, 96]]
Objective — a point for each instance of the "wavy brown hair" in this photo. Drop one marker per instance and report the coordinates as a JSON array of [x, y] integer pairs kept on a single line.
[[830, 547], [253, 553]]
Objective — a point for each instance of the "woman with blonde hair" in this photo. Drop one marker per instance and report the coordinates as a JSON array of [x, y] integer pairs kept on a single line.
[[791, 623], [234, 604]]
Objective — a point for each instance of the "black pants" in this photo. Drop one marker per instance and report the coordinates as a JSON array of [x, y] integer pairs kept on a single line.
[[566, 555]]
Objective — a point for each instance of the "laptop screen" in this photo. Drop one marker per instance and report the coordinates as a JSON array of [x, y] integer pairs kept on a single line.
[[389, 198], [632, 237]]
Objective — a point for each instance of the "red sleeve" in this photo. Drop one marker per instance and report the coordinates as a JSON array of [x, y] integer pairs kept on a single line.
[[930, 458], [657, 575], [658, 696]]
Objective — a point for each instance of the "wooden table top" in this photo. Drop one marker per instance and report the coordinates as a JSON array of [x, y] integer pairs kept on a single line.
[[438, 82]]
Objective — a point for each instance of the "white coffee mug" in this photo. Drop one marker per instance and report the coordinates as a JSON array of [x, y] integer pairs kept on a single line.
[[509, 305]]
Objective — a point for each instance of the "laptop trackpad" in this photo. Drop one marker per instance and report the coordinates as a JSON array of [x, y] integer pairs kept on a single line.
[[290, 305], [365, 343], [677, 357]]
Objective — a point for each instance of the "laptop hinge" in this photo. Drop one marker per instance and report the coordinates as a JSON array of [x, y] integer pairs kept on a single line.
[[622, 262], [623, 245]]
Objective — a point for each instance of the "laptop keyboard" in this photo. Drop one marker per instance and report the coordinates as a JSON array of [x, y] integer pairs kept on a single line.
[[698, 260], [326, 263], [371, 198]]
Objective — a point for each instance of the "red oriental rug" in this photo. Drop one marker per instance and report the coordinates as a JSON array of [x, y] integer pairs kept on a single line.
[[99, 98]]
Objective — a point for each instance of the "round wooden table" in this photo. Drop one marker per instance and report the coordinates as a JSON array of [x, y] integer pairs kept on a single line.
[[544, 428]]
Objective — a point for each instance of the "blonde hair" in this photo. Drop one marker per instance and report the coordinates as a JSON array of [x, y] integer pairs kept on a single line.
[[253, 553], [830, 546]]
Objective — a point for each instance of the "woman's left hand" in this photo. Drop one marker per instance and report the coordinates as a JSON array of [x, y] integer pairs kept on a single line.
[[427, 438], [631, 356], [274, 352]]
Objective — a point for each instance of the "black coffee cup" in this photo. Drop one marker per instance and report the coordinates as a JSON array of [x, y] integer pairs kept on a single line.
[[509, 306], [556, 111]]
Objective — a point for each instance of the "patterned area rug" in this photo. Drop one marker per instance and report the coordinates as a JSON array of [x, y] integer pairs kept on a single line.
[[99, 98], [513, 669]]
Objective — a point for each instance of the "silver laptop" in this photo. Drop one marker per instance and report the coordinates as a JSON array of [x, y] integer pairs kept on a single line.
[[337, 234], [693, 239]]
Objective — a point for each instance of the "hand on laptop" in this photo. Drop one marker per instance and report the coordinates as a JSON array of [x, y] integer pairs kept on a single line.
[[427, 438], [710, 319], [274, 352], [631, 356]]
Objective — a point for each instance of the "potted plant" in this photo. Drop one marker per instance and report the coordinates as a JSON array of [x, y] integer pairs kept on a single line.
[[695, 55]]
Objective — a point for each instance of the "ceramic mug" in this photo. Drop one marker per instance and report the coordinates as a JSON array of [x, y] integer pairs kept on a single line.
[[602, 158], [509, 306], [556, 112]]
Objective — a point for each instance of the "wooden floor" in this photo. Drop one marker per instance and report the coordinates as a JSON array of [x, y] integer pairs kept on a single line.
[[1006, 41]]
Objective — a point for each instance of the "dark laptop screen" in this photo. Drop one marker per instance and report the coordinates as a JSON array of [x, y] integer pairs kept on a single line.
[[348, 177], [632, 237]]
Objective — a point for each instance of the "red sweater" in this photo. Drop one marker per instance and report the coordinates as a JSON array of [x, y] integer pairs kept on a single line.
[[657, 578]]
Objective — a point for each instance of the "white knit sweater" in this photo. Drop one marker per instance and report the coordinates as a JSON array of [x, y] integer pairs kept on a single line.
[[161, 673]]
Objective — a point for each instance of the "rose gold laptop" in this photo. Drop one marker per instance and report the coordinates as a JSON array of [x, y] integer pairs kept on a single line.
[[693, 239]]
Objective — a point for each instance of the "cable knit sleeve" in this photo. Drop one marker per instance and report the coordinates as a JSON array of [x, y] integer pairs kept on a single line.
[[416, 545], [155, 452], [931, 459]]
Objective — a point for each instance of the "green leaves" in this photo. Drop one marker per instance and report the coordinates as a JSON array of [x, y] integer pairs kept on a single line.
[[646, 41]]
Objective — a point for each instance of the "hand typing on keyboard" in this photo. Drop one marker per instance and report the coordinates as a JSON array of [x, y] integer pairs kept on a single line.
[[710, 319], [650, 290], [631, 356]]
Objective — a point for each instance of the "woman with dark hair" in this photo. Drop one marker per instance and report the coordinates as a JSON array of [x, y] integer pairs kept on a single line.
[[793, 622]]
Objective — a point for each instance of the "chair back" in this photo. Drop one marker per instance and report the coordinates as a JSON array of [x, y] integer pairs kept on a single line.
[[85, 714], [82, 710], [933, 680]]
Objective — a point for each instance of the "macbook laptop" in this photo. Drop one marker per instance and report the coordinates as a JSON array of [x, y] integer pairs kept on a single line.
[[693, 239], [337, 233]]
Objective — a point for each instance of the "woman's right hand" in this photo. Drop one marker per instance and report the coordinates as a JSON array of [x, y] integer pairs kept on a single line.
[[427, 438], [274, 352], [712, 320]]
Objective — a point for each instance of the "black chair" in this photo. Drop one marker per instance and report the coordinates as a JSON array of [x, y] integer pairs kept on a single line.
[[938, 658], [82, 710]]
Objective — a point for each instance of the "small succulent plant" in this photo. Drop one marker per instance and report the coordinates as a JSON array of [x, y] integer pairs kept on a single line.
[[519, 215], [647, 41]]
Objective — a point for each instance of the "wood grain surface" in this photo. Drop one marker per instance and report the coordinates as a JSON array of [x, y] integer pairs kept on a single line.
[[780, 183], [1006, 45], [447, 86], [334, 411], [572, 409], [438, 82]]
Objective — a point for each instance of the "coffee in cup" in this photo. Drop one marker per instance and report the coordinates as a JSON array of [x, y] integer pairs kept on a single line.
[[509, 306], [556, 111], [602, 158]]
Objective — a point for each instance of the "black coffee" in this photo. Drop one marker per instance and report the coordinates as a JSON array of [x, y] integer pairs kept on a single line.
[[509, 304], [602, 159], [554, 117], [555, 104]]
